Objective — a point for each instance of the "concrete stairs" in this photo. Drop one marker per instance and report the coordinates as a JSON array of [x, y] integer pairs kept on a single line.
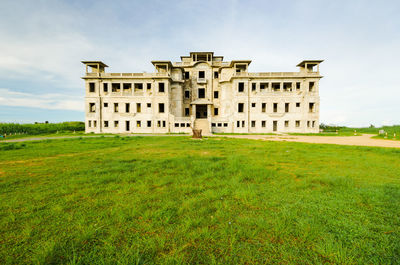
[[203, 125]]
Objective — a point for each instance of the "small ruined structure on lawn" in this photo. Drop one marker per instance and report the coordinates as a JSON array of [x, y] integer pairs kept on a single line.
[[202, 92]]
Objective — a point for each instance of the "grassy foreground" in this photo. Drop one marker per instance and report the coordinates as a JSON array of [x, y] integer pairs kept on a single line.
[[174, 200]]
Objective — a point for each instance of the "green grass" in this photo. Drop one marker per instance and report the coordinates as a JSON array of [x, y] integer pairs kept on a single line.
[[175, 200]]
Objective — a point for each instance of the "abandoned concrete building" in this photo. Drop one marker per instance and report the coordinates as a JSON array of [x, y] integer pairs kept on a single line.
[[202, 92]]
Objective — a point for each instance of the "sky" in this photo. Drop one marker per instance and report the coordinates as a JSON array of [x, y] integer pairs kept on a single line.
[[42, 44]]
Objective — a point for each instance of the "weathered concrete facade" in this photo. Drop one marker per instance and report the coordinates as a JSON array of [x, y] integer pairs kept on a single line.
[[204, 92]]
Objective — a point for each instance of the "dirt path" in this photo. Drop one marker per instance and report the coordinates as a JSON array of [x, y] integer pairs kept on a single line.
[[363, 140]]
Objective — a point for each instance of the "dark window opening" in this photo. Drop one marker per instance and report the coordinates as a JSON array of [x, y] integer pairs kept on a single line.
[[215, 74], [105, 104], [202, 92], [286, 107], [240, 107], [287, 86], [149, 105], [106, 124], [127, 107], [276, 86], [128, 86], [161, 87], [263, 107], [116, 123], [148, 86], [105, 87], [275, 107], [186, 74], [311, 107], [253, 86], [297, 104], [187, 94], [241, 87], [92, 107], [127, 125], [311, 86], [187, 112], [148, 123], [263, 86], [263, 123], [253, 124], [202, 74], [253, 105], [161, 107], [297, 85], [115, 87], [115, 107], [138, 107], [216, 94], [92, 87], [215, 111]]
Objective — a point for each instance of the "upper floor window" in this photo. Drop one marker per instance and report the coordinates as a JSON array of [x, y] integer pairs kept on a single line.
[[202, 92], [186, 75], [216, 94], [241, 87], [161, 107], [311, 86], [115, 107], [216, 74], [187, 94], [253, 86], [202, 74], [115, 87], [148, 86], [92, 87], [161, 87], [92, 107], [105, 87], [240, 107]]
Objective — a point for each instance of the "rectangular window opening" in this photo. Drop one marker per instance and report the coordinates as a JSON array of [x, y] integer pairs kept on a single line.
[[202, 92], [161, 107], [92, 87], [240, 107], [92, 107], [240, 86], [161, 87]]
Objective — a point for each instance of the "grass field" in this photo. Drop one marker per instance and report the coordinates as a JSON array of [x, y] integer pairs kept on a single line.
[[174, 200]]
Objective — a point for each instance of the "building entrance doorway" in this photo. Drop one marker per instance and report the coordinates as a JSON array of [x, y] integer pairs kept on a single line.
[[201, 111]]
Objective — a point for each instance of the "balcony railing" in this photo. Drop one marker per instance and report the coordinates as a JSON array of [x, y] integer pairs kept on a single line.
[[139, 75]]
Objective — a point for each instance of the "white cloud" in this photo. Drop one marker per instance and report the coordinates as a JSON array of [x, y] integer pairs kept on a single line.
[[42, 101]]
